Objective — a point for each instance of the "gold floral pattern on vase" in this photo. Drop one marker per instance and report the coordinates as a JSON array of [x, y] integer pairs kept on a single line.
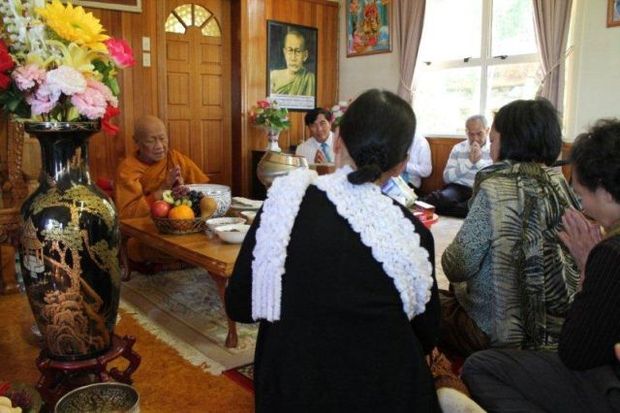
[[70, 242]]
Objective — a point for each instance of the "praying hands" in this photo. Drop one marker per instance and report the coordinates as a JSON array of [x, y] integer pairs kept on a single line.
[[579, 235]]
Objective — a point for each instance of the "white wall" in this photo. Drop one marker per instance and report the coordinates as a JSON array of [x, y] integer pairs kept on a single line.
[[593, 71], [365, 72]]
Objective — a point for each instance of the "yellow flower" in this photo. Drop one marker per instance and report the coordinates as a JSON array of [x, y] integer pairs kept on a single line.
[[79, 58], [74, 24]]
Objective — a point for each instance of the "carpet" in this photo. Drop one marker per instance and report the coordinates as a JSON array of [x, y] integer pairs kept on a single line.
[[444, 232], [166, 382], [242, 375], [183, 309]]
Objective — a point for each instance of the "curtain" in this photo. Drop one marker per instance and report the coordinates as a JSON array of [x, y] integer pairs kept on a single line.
[[552, 20], [409, 21]]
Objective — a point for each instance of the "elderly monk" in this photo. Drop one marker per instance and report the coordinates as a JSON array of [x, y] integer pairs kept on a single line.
[[142, 177]]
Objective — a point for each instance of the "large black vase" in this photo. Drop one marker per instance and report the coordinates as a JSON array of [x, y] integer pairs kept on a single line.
[[69, 246]]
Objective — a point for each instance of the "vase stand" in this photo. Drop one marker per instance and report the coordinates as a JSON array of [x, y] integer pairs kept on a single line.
[[59, 377]]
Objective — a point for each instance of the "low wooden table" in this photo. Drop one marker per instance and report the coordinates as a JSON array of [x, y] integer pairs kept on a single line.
[[217, 257]]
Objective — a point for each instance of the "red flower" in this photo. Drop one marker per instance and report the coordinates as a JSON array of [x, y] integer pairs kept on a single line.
[[5, 81], [263, 103], [109, 128], [6, 64]]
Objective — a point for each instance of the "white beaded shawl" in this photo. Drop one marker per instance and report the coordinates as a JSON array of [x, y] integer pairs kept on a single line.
[[389, 234]]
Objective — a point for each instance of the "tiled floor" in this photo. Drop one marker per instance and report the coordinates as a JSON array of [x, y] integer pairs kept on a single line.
[[443, 232]]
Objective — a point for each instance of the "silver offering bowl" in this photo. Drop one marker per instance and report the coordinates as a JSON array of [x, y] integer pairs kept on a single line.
[[100, 398], [276, 164]]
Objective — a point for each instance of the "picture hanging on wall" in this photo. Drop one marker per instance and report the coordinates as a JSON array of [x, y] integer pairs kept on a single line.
[[613, 13], [291, 65], [123, 5], [368, 27]]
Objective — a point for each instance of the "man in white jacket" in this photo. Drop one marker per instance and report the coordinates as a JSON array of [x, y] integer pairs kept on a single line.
[[464, 162]]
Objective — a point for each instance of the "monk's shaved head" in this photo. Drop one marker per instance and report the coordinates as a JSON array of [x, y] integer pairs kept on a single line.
[[151, 138], [145, 126]]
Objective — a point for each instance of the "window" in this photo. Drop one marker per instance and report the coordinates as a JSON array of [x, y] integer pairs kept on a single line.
[[475, 56], [188, 15]]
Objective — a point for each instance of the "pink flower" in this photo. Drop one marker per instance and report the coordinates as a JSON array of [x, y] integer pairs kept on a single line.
[[264, 104], [92, 102], [109, 128], [29, 76], [104, 90], [67, 80], [43, 100], [121, 52]]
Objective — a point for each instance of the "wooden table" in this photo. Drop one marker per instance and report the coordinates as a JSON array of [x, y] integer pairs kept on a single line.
[[217, 257]]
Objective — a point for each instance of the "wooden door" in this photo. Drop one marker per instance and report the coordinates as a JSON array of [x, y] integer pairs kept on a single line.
[[197, 91]]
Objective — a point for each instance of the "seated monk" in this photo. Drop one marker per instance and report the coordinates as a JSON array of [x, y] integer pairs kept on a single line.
[[142, 177]]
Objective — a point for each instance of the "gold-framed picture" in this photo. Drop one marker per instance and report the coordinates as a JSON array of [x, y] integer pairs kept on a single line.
[[122, 5]]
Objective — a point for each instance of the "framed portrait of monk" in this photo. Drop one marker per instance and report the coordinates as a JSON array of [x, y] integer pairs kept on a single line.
[[292, 65]]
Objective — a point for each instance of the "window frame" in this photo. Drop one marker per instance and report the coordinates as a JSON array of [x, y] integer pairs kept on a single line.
[[484, 62]]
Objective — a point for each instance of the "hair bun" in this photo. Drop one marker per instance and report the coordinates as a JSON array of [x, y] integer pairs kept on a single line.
[[367, 173]]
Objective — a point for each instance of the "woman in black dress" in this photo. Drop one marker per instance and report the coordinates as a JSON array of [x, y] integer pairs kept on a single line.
[[342, 279]]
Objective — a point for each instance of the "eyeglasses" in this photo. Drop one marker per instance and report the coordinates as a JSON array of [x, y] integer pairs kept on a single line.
[[291, 51]]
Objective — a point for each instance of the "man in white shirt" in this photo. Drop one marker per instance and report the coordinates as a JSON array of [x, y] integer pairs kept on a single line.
[[464, 162], [419, 165], [319, 148]]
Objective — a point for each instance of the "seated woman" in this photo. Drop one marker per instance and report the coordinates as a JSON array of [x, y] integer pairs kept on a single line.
[[511, 279], [341, 279], [584, 376]]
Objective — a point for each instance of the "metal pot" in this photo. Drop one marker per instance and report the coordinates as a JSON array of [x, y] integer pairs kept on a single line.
[[276, 164]]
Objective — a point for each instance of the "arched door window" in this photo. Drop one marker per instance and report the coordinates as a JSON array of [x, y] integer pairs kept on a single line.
[[192, 15]]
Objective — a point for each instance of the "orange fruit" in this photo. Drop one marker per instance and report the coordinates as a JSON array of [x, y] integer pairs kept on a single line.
[[181, 212]]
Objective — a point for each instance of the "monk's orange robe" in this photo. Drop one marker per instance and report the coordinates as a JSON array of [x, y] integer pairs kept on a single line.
[[134, 184]]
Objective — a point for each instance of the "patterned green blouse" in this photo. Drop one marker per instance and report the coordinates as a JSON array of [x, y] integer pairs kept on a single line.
[[509, 270]]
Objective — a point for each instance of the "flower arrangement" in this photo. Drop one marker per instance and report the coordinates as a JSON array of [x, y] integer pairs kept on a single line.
[[56, 63], [338, 111], [268, 114]]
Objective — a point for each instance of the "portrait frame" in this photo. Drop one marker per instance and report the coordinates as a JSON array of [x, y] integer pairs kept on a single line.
[[122, 5], [368, 27], [613, 13], [300, 93]]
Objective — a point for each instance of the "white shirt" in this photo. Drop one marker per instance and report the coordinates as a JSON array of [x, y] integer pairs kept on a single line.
[[308, 148], [459, 169], [419, 165]]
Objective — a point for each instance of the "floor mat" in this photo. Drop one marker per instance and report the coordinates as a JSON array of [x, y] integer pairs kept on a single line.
[[183, 309]]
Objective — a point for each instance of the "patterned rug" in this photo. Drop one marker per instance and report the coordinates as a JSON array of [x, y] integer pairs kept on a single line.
[[183, 309]]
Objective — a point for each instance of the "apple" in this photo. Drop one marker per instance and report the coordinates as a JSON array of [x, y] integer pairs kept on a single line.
[[159, 209]]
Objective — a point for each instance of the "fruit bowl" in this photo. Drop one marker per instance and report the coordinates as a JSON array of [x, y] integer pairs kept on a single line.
[[179, 226], [221, 194]]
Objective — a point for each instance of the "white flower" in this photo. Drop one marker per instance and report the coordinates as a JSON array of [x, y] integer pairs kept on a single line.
[[66, 80]]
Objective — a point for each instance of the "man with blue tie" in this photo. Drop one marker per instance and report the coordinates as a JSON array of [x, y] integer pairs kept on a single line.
[[319, 147]]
